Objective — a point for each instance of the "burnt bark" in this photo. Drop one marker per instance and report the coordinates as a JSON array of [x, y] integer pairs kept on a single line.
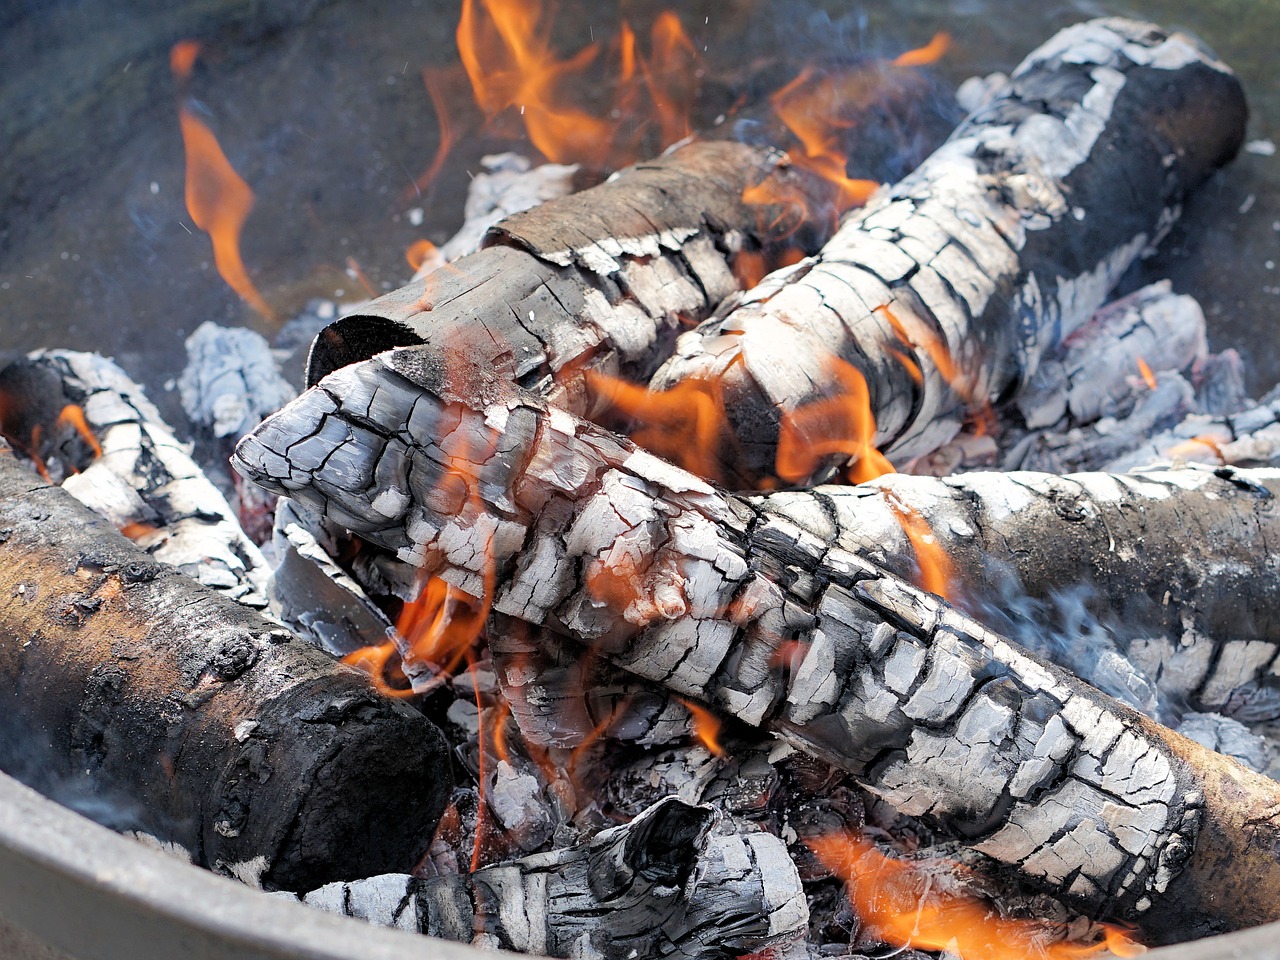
[[667, 886], [601, 280], [944, 292], [141, 478], [693, 588], [1167, 558], [155, 705]]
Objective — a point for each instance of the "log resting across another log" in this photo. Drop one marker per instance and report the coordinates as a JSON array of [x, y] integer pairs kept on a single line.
[[152, 704], [1002, 242], [602, 280], [667, 886], [1167, 557], [693, 588]]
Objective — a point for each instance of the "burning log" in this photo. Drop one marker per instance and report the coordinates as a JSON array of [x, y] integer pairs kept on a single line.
[[602, 279], [565, 524], [668, 887], [123, 461], [943, 293], [154, 704], [1169, 557]]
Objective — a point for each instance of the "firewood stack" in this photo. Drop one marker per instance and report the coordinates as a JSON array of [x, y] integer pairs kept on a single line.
[[742, 675]]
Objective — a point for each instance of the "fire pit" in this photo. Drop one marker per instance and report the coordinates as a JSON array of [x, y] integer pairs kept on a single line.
[[822, 618]]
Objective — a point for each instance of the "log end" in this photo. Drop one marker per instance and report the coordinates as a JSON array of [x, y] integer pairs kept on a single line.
[[352, 784]]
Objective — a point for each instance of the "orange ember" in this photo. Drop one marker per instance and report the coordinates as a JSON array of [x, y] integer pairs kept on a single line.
[[840, 425], [686, 424], [931, 52], [706, 726], [218, 200], [899, 904], [137, 531], [1148, 377], [752, 266], [937, 573]]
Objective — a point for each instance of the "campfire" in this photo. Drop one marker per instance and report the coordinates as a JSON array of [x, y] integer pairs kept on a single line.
[[719, 548]]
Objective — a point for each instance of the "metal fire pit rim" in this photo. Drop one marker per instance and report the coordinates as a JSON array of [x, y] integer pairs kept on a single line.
[[96, 895]]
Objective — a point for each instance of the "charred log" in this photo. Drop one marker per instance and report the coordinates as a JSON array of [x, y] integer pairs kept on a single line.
[[1168, 558], [156, 705], [668, 887], [599, 280], [141, 477], [944, 293], [682, 584]]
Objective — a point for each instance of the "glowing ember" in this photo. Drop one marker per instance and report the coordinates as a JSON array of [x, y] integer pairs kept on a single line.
[[218, 200], [1148, 377], [841, 425], [706, 726], [899, 904]]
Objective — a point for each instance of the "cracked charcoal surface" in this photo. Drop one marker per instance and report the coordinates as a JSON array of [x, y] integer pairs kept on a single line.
[[770, 624], [1168, 557], [152, 703], [145, 476], [600, 280], [669, 887], [996, 247]]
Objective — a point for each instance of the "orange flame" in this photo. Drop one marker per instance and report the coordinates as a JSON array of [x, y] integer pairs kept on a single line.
[[669, 72], [72, 415], [1195, 447], [507, 54], [841, 425], [686, 424], [935, 349], [937, 573], [931, 52], [433, 80], [706, 726], [897, 902], [1148, 377], [441, 625], [218, 200], [815, 110], [382, 663], [418, 253]]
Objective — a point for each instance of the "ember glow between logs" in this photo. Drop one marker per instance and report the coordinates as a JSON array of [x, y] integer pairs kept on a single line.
[[896, 899]]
